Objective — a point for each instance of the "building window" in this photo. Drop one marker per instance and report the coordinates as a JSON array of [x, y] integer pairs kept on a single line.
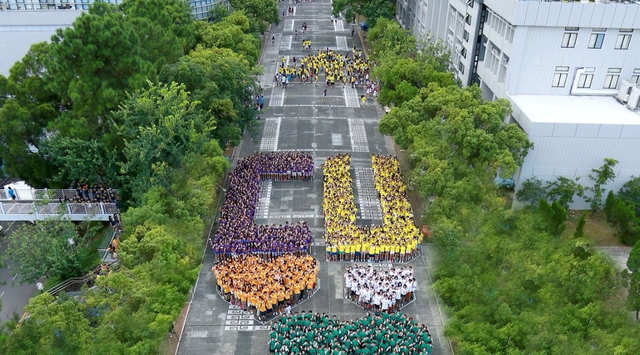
[[635, 79], [611, 81], [559, 80], [595, 41], [465, 36], [569, 40], [584, 81], [463, 53], [623, 42], [461, 67], [467, 19]]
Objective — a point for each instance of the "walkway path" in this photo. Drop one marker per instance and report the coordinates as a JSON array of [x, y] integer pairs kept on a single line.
[[297, 119]]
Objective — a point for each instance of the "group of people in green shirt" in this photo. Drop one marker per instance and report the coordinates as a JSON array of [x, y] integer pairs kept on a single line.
[[320, 334]]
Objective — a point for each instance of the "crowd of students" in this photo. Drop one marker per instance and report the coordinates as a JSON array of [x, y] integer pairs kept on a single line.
[[380, 290], [95, 193], [266, 287], [348, 69], [395, 240], [319, 334], [236, 233]]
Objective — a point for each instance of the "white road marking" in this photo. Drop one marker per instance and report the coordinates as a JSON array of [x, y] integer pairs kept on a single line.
[[271, 134], [370, 207], [350, 97], [358, 135], [265, 199], [342, 43], [277, 96]]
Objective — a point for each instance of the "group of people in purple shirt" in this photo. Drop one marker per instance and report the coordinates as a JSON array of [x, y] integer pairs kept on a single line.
[[236, 233]]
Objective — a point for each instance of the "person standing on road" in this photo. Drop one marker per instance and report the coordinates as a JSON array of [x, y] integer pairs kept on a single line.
[[363, 99], [325, 96], [273, 40]]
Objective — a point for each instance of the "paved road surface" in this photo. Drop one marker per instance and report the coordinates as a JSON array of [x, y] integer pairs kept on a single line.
[[297, 119]]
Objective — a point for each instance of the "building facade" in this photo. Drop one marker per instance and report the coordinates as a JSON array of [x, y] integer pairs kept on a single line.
[[200, 8], [571, 71]]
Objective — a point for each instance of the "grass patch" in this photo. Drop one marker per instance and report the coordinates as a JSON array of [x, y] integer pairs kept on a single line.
[[597, 230]]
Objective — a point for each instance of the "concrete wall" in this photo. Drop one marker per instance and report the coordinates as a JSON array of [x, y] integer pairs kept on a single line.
[[572, 150], [20, 29]]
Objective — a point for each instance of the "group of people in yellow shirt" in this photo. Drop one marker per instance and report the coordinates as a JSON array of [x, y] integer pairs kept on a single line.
[[395, 240], [266, 286], [349, 69]]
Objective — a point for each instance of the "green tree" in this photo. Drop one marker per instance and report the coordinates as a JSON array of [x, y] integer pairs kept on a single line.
[[53, 327], [219, 79], [388, 39], [92, 65], [219, 12], [555, 216], [559, 218], [609, 205], [626, 223], [259, 12], [160, 126], [372, 10], [232, 32], [27, 108], [633, 261], [563, 190], [630, 193], [83, 160], [600, 178], [579, 233], [173, 17], [633, 298], [531, 191], [44, 250]]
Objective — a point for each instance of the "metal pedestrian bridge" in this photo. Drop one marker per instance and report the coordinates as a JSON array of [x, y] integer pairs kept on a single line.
[[38, 204]]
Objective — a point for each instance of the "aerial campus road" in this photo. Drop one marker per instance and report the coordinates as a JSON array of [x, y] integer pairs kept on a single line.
[[298, 118]]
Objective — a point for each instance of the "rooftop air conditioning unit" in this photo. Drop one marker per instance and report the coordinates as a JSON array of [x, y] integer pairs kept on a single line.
[[634, 99], [625, 90]]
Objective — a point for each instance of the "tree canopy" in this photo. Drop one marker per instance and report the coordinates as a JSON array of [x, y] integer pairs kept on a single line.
[[514, 281], [141, 97], [372, 10], [43, 250], [259, 12]]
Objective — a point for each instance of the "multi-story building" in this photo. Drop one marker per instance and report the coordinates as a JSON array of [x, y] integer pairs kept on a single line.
[[571, 71], [201, 8], [25, 22]]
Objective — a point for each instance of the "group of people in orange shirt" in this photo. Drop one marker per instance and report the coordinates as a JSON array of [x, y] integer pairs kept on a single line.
[[264, 286], [263, 268]]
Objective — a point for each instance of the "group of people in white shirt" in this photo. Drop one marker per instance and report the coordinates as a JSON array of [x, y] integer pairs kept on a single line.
[[380, 290]]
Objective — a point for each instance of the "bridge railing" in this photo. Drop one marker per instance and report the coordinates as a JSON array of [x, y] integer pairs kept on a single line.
[[31, 211], [29, 194]]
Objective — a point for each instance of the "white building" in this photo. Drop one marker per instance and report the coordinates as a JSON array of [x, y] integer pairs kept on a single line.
[[25, 22], [571, 71]]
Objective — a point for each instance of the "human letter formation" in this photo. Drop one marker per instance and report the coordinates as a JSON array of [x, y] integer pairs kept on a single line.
[[236, 233], [396, 240]]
